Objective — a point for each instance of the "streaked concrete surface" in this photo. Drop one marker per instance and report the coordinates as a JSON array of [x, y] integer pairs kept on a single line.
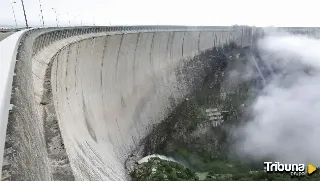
[[84, 98], [8, 48]]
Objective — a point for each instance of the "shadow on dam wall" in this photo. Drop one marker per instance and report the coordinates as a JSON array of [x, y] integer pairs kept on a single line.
[[85, 98]]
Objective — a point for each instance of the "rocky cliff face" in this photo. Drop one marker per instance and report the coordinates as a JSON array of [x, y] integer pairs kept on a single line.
[[195, 133]]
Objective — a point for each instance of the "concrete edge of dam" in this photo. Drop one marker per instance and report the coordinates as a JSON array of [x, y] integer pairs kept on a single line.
[[8, 48], [141, 62]]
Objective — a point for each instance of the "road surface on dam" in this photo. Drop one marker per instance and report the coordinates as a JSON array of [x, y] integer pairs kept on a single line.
[[4, 35], [84, 98]]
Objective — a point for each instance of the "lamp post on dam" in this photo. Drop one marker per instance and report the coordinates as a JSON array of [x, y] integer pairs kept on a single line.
[[41, 14], [24, 13], [55, 11], [14, 14]]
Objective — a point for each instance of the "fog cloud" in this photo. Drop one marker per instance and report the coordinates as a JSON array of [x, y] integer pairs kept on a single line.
[[285, 116]]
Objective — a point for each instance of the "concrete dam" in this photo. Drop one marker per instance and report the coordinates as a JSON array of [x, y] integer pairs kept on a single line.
[[85, 98]]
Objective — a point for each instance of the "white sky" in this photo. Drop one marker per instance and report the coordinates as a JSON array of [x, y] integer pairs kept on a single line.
[[171, 12]]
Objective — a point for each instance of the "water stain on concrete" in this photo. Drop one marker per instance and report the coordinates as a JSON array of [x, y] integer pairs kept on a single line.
[[86, 119]]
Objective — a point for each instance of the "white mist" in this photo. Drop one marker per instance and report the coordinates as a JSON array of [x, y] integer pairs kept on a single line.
[[285, 120]]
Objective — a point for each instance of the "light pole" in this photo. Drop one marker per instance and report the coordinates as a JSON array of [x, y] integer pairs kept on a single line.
[[41, 13], [24, 12], [55, 11], [14, 14]]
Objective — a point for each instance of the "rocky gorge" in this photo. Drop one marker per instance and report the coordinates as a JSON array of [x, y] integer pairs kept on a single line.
[[196, 132]]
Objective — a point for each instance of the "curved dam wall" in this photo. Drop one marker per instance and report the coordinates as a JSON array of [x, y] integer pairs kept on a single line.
[[84, 98]]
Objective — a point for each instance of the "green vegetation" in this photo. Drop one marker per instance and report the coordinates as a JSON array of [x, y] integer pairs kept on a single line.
[[261, 176], [202, 161], [161, 170]]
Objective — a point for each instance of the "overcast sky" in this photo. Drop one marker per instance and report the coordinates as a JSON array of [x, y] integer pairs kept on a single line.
[[171, 12]]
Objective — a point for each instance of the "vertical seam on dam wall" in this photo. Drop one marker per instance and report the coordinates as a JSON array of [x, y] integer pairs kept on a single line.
[[215, 40], [76, 65], [67, 59], [199, 39], [182, 44], [57, 72], [151, 49], [168, 44], [152, 63], [171, 44], [134, 57], [68, 47], [103, 55], [117, 61]]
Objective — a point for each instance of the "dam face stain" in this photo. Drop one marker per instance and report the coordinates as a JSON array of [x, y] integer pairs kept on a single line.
[[86, 119], [123, 103]]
